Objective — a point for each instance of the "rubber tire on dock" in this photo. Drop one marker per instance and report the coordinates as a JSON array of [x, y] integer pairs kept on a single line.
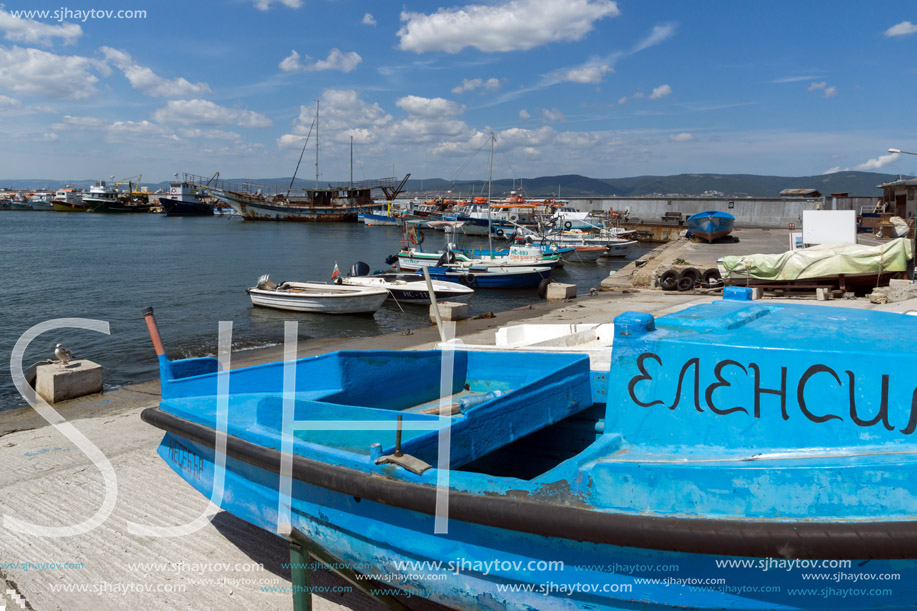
[[712, 278], [690, 272], [543, 288], [669, 280], [685, 284]]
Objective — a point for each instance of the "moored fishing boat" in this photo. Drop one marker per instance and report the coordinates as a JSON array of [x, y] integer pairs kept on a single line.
[[711, 225], [492, 277], [105, 197], [184, 200], [720, 452], [41, 201], [317, 297], [68, 200]]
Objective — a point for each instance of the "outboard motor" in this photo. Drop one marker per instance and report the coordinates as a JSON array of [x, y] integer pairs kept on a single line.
[[266, 282], [391, 259], [361, 269], [447, 258]]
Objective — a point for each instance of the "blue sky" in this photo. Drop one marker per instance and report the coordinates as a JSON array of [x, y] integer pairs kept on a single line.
[[593, 87]]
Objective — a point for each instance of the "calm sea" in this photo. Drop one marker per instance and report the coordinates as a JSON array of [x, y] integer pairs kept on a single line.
[[194, 272]]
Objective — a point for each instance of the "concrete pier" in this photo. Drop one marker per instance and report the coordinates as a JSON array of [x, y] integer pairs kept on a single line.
[[56, 383], [226, 564]]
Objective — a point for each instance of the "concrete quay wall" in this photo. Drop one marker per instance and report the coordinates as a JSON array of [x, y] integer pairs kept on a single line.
[[749, 212]]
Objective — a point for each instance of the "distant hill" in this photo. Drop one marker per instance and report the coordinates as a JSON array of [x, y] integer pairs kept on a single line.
[[574, 185]]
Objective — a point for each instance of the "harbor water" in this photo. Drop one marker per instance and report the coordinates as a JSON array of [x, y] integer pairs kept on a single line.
[[194, 272]]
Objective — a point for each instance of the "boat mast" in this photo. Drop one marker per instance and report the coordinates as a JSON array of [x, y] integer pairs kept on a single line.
[[316, 145], [490, 180], [351, 163]]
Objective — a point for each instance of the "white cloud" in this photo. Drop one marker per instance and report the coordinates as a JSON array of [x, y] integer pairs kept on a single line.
[[49, 137], [34, 72], [263, 5], [878, 162], [905, 28], [552, 115], [867, 166], [622, 99], [204, 112], [660, 92], [491, 84], [368, 19], [209, 134], [8, 102], [794, 79], [828, 92], [429, 107], [30, 31], [345, 62], [656, 36], [524, 115], [510, 26], [78, 123], [134, 131], [587, 73], [147, 81], [682, 137]]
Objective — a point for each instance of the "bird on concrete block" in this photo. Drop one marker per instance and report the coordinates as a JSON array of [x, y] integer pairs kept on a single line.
[[63, 355]]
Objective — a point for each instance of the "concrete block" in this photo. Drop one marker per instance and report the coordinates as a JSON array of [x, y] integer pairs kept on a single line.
[[559, 292], [78, 378], [822, 294], [757, 293], [450, 310], [901, 290]]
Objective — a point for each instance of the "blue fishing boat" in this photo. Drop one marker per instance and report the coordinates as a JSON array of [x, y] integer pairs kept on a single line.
[[491, 277], [716, 466], [711, 224]]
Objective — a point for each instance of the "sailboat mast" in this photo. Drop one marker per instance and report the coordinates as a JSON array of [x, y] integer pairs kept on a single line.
[[316, 144], [351, 162], [490, 180]]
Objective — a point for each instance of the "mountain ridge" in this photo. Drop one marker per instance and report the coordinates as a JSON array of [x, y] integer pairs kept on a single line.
[[575, 185]]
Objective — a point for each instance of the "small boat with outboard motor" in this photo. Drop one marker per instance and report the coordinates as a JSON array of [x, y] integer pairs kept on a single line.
[[726, 440], [316, 297], [406, 288]]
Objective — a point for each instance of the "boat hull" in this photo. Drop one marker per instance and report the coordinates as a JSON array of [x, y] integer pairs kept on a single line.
[[254, 210], [381, 220], [490, 278], [584, 254], [510, 568], [61, 206], [174, 207], [711, 225], [117, 207], [333, 300], [414, 291]]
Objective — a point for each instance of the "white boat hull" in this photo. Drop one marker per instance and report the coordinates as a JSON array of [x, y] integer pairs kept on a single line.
[[414, 292], [320, 298]]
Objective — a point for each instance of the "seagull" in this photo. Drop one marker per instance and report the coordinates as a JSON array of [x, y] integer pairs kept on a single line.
[[63, 355]]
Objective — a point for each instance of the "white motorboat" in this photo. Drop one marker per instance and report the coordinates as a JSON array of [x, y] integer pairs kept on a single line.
[[407, 288], [317, 297]]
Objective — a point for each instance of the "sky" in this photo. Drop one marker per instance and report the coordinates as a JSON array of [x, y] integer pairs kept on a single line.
[[594, 87]]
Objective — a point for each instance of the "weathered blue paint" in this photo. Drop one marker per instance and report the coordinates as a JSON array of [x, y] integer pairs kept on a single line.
[[735, 410]]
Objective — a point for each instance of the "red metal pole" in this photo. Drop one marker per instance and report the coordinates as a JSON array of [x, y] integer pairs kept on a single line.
[[154, 331]]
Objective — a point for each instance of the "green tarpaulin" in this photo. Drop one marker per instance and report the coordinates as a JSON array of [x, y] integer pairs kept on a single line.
[[823, 260]]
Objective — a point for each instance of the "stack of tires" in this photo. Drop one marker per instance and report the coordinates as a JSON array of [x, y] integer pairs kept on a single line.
[[689, 278]]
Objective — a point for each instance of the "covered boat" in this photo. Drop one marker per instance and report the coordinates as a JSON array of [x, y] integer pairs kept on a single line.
[[184, 200], [718, 466], [317, 297], [711, 225], [492, 277], [835, 264]]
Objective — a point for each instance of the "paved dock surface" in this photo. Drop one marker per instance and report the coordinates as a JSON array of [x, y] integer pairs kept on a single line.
[[223, 566]]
